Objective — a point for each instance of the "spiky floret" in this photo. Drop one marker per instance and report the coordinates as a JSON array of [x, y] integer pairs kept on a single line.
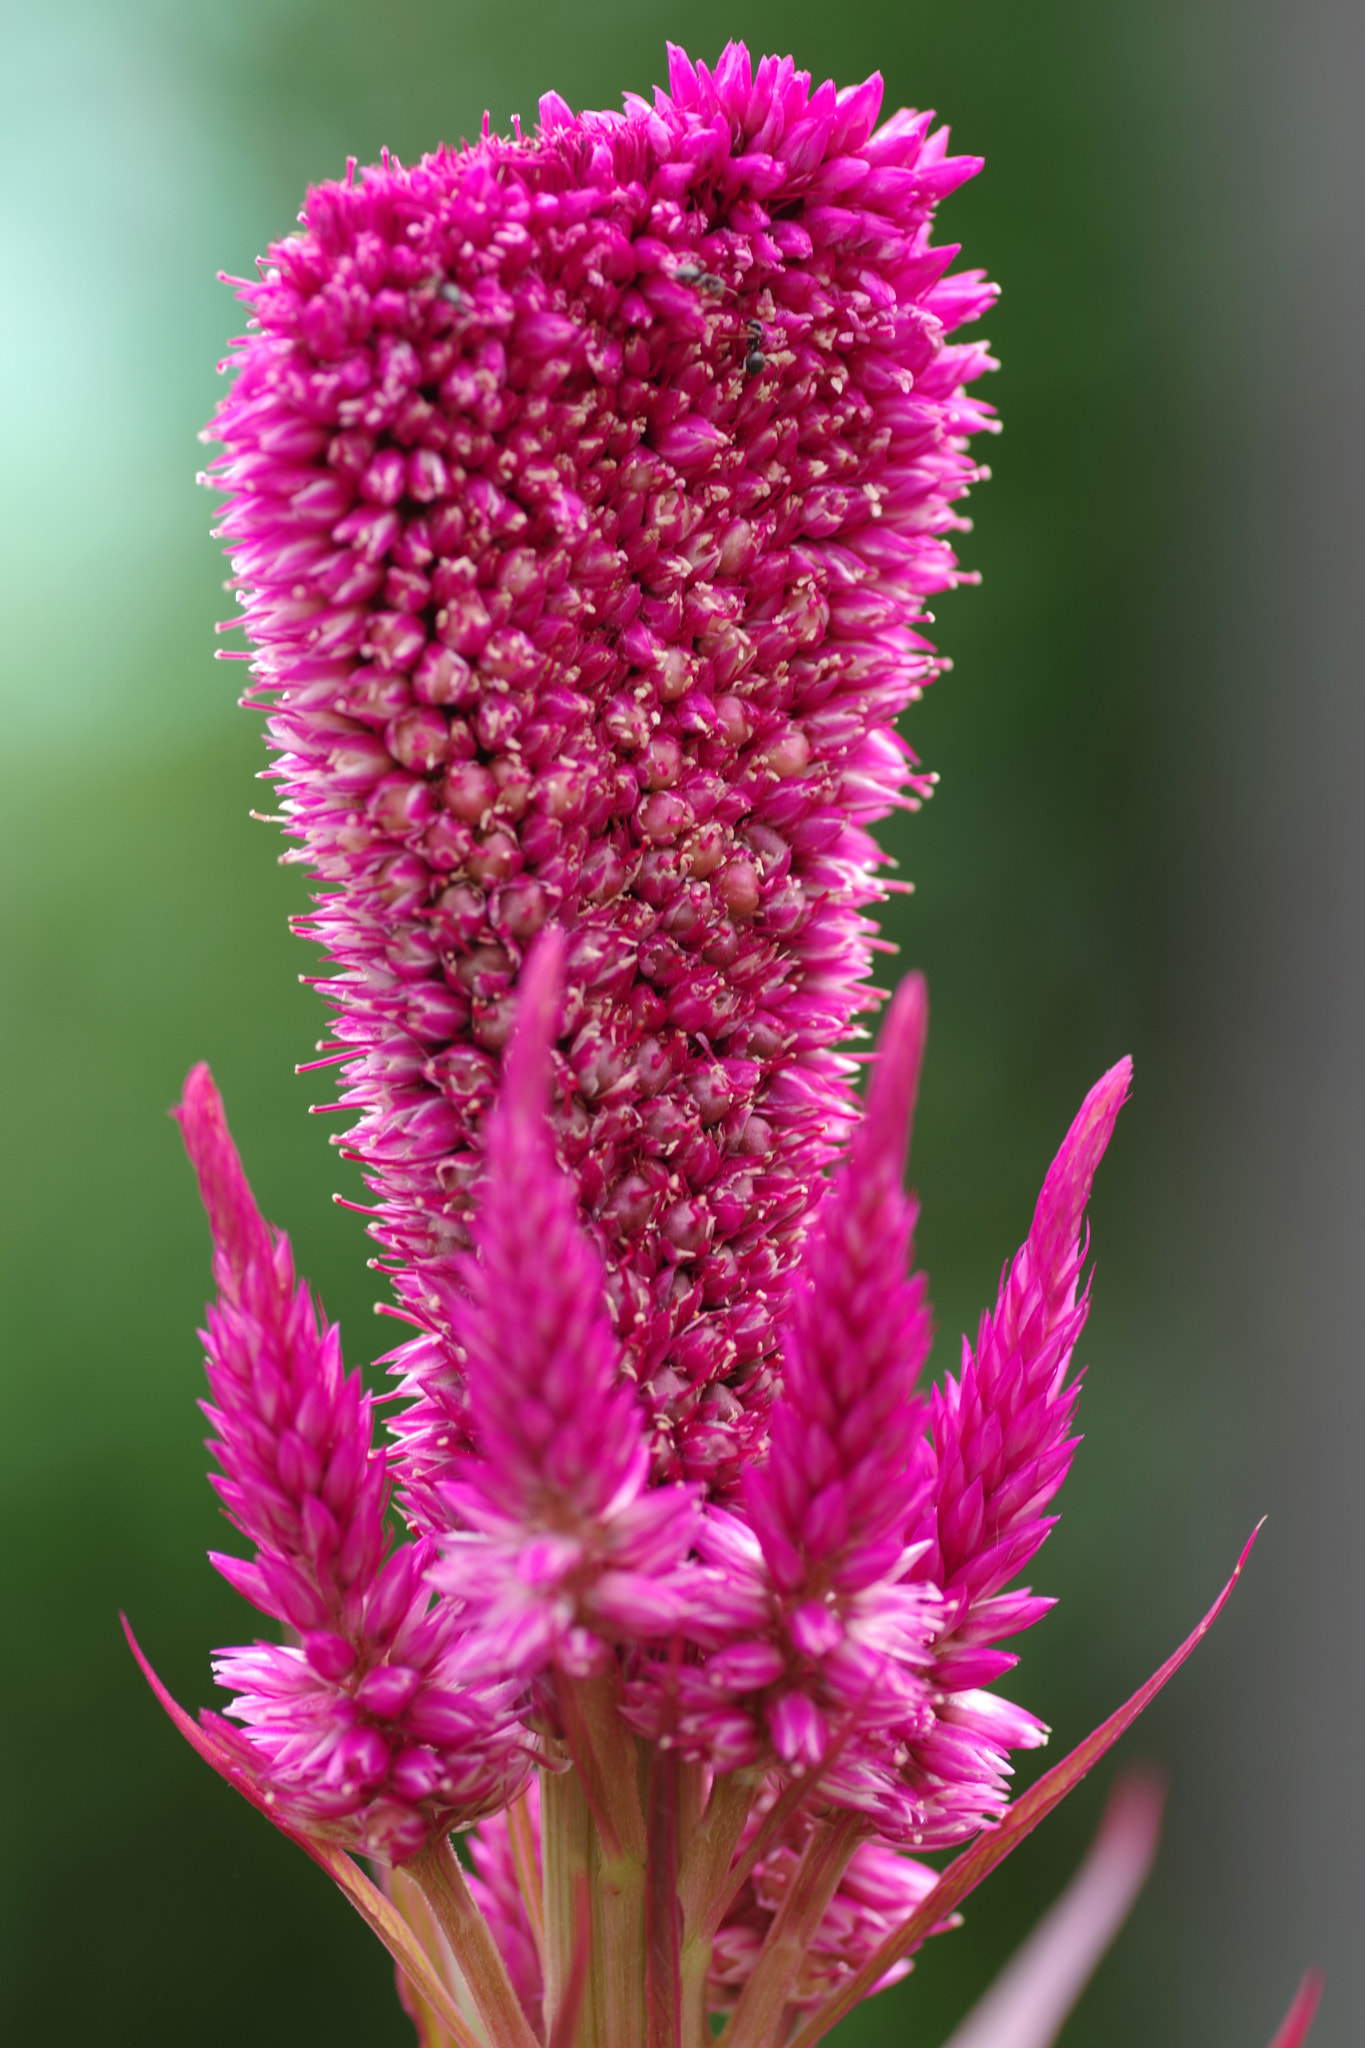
[[854, 1605], [362, 1732], [584, 492], [810, 1633], [1002, 1431], [556, 1545]]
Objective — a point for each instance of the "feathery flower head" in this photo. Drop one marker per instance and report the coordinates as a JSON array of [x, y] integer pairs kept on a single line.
[[583, 492], [359, 1732], [809, 1625], [553, 1533], [838, 1635]]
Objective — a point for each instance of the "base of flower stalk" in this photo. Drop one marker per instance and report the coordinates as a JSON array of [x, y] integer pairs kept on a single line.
[[704, 1885], [579, 1866], [436, 1870], [758, 2017]]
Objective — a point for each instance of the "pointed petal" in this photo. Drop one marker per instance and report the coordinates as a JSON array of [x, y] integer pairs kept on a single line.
[[1299, 2018], [884, 1133], [526, 1068], [241, 1238], [1028, 2003], [552, 1418], [1066, 1190], [967, 1871], [230, 1756]]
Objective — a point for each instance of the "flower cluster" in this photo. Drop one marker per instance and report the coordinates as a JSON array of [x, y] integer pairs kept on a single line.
[[583, 494], [363, 1729]]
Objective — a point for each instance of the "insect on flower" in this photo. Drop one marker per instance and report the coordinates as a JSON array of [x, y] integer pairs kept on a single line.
[[583, 494]]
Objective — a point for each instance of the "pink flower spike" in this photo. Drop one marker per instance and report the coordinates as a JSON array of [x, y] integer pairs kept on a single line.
[[1294, 2027], [555, 1547], [356, 1730], [831, 1505], [1002, 1430], [836, 1641], [584, 493], [242, 1250], [968, 1870], [1029, 2001], [554, 1426]]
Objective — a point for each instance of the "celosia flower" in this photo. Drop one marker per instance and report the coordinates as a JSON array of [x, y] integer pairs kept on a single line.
[[560, 1547], [360, 1732], [831, 1613], [584, 492]]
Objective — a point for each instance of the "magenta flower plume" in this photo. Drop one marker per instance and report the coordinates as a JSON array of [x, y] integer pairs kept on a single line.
[[829, 1505], [583, 494], [1002, 1431], [356, 1733], [809, 1630], [835, 1637], [558, 1544]]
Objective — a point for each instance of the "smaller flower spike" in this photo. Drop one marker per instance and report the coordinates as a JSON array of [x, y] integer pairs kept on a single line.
[[357, 1733], [817, 1641], [1002, 1432], [828, 1507], [557, 1547]]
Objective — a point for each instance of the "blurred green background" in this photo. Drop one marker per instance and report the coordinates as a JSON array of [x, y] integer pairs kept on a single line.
[[1147, 839]]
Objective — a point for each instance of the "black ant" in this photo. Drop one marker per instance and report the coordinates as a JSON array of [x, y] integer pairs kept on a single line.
[[705, 280], [755, 360]]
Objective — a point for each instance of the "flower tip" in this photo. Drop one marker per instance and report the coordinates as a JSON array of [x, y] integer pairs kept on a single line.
[[199, 1098], [538, 997], [895, 1076], [238, 1229], [1066, 1189], [1130, 1827], [1294, 2027]]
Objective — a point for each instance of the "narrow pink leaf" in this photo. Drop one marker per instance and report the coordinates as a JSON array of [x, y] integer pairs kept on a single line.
[[1028, 2003], [1299, 2018], [230, 1755], [966, 1872]]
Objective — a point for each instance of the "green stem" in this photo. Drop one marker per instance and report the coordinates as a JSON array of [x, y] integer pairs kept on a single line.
[[567, 1857], [704, 1876], [702, 1885], [521, 1834], [606, 1758], [438, 1872], [663, 1918], [432, 2031], [620, 1946], [607, 1764], [758, 2015]]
